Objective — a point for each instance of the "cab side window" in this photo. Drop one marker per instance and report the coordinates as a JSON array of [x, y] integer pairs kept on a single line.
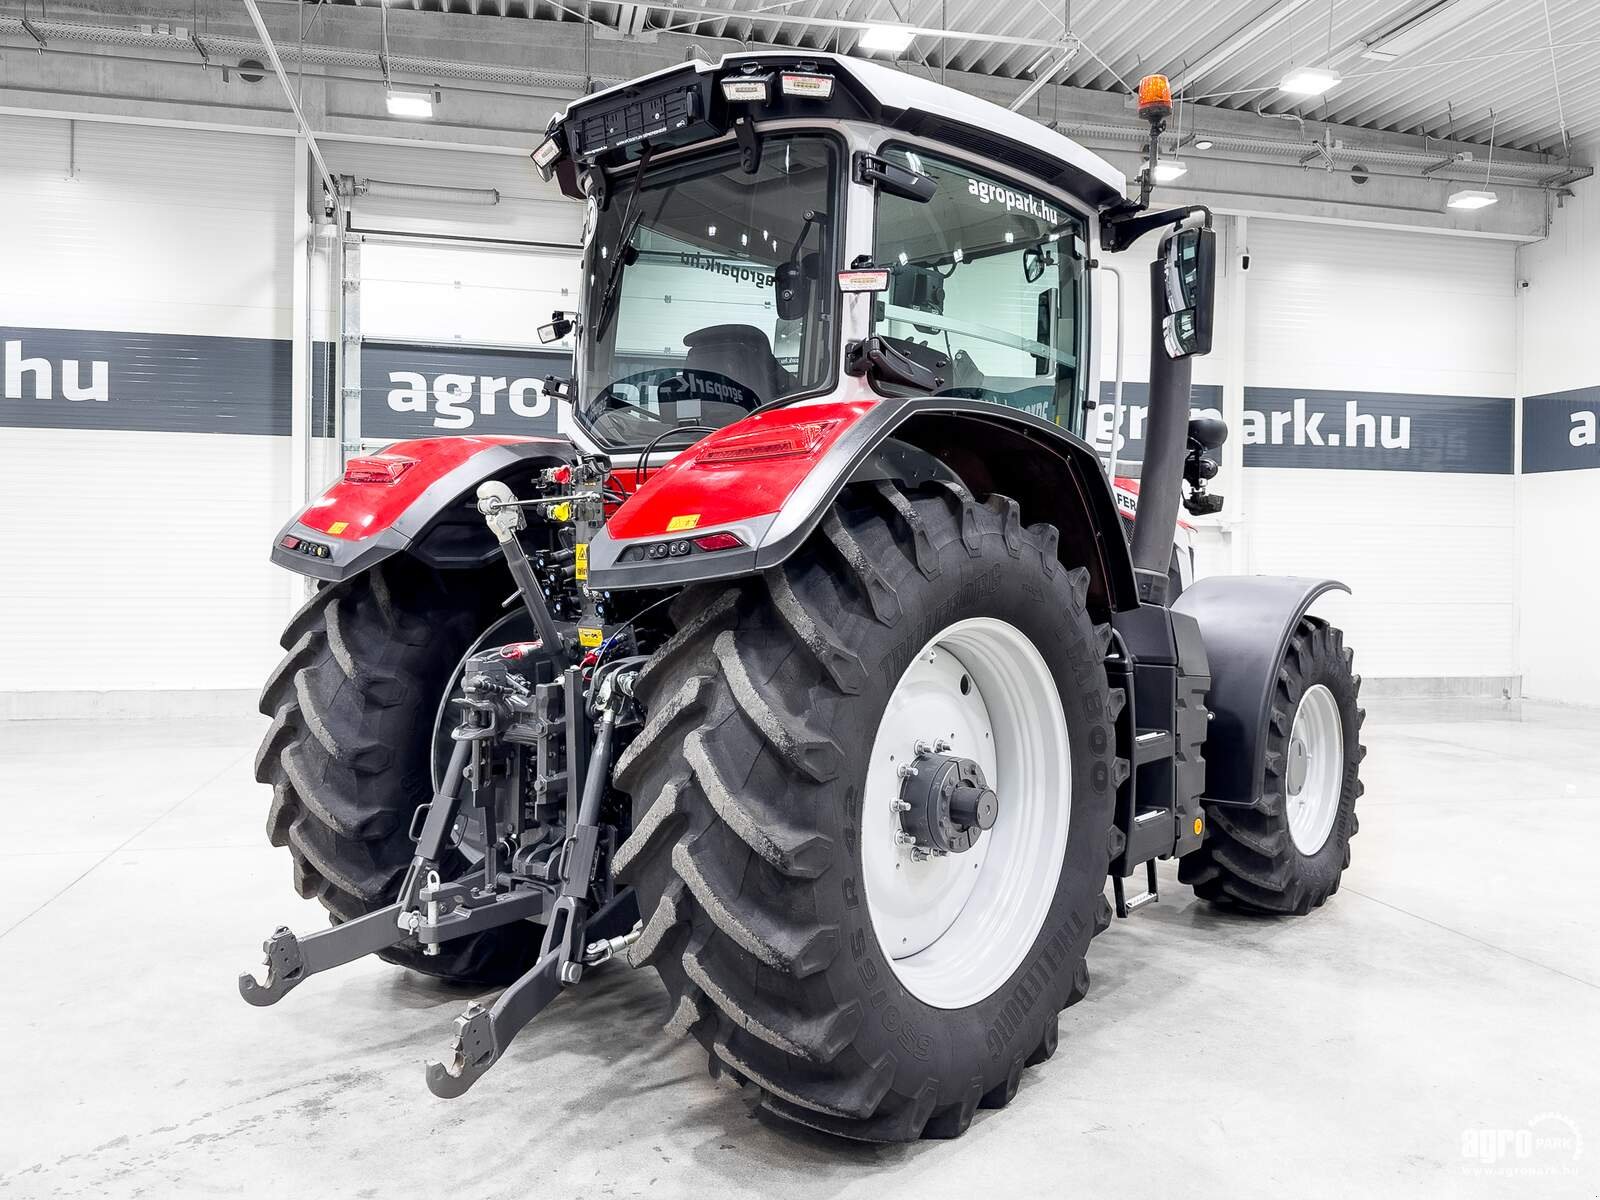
[[991, 278]]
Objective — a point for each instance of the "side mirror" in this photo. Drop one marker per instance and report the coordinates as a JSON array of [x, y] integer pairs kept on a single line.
[[1189, 274], [793, 290], [560, 325], [1034, 261]]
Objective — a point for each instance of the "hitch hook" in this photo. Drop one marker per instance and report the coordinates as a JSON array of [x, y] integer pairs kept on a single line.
[[285, 969]]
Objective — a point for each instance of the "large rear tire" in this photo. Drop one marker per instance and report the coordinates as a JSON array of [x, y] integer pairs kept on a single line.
[[349, 751], [758, 815], [1287, 853]]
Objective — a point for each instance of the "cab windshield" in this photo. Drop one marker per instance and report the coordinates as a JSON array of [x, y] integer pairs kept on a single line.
[[708, 292], [989, 279]]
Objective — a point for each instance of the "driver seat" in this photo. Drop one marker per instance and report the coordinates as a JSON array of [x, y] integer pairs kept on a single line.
[[741, 353]]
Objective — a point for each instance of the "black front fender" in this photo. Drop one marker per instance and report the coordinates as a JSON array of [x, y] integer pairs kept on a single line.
[[1246, 622]]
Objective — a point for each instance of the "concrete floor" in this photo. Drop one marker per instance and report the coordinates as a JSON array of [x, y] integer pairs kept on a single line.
[[1444, 1001]]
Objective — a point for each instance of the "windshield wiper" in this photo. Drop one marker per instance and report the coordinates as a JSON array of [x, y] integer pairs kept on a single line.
[[630, 221]]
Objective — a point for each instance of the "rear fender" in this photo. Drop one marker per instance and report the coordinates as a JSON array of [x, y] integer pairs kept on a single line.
[[773, 504], [1246, 622], [428, 511]]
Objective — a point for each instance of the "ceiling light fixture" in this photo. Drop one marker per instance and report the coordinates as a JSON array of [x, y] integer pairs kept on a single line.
[[409, 104], [1309, 81], [1469, 199], [890, 39], [1203, 144]]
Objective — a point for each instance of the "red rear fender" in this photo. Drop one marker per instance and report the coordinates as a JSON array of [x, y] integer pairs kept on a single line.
[[385, 502]]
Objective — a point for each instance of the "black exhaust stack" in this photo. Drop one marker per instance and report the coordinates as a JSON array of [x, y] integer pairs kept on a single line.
[[1166, 447]]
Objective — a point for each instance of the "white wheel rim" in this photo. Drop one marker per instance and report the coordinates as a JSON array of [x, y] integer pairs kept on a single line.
[[955, 928], [1314, 772]]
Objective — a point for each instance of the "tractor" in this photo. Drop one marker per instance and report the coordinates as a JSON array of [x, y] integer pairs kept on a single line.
[[814, 663]]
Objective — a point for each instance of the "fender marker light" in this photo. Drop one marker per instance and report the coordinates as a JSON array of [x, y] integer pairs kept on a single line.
[[810, 87], [377, 468], [875, 279], [790, 441], [719, 541]]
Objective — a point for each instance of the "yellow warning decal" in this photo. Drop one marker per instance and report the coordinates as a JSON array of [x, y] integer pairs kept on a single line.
[[589, 638], [687, 521], [338, 527], [580, 561]]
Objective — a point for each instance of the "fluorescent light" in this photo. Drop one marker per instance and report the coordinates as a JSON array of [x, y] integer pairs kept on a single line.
[[410, 104], [1309, 81], [1169, 169], [1470, 199], [891, 39], [1417, 31], [1203, 144]]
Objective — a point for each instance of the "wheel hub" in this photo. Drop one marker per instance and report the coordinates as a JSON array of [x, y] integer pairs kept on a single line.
[[945, 801]]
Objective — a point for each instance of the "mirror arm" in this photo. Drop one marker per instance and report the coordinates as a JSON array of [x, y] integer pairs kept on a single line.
[[878, 358], [1119, 231]]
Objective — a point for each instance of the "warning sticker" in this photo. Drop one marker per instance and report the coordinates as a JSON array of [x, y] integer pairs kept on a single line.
[[580, 561], [687, 521], [589, 638]]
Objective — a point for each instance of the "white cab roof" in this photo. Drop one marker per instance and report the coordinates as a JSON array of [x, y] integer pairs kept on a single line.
[[897, 89]]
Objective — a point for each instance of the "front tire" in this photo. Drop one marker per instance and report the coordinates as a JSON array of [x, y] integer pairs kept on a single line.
[[1286, 853], [756, 811]]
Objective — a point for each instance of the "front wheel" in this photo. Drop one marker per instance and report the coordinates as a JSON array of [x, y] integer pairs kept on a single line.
[[872, 808], [1286, 853]]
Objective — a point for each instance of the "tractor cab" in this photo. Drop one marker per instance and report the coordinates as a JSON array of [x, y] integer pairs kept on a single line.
[[777, 229]]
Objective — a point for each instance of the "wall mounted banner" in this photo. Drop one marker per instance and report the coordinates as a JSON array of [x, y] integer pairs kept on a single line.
[[165, 382], [412, 391], [1559, 431], [1205, 399], [183, 383], [1337, 430], [1378, 431]]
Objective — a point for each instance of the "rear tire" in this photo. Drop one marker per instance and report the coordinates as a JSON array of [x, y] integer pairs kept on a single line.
[[348, 754], [1278, 857], [748, 783]]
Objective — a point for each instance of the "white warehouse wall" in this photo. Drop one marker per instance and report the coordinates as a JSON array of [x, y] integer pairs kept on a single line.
[[1426, 548], [137, 556], [1406, 326], [1558, 571], [168, 231]]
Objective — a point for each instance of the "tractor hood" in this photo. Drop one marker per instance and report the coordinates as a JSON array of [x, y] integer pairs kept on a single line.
[[685, 104]]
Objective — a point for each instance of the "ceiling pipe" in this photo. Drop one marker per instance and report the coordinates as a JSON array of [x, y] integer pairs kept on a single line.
[[434, 193]]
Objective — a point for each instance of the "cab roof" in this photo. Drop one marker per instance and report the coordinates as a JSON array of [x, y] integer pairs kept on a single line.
[[900, 100]]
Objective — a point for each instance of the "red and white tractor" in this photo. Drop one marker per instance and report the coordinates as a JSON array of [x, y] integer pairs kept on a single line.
[[815, 668]]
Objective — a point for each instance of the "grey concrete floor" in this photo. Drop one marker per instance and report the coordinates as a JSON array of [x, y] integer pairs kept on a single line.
[[1434, 1031]]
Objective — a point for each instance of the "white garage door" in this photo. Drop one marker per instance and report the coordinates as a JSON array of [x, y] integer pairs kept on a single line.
[[1417, 333]]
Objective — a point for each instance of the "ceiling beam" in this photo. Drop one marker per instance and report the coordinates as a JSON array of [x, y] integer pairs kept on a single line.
[[1236, 42]]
